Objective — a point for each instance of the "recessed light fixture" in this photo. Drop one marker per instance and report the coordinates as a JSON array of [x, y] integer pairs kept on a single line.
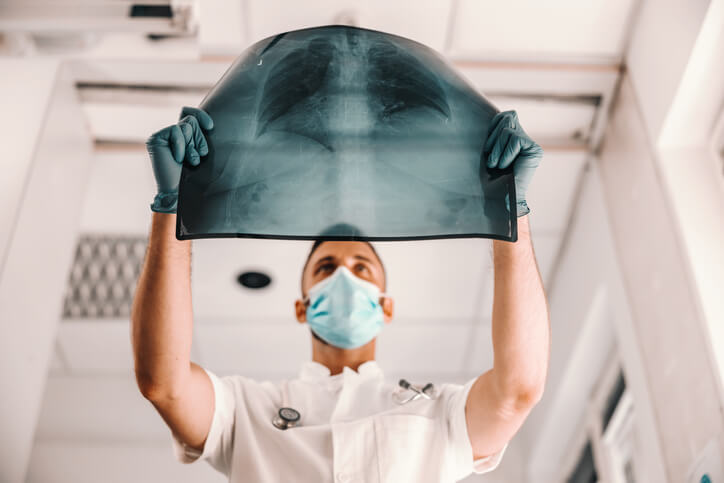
[[254, 280]]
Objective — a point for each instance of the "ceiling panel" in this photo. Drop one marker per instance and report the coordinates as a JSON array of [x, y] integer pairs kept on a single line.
[[541, 31], [540, 79], [552, 190], [96, 346], [436, 279], [405, 346], [551, 121], [216, 263], [437, 349], [425, 20], [428, 279], [118, 121], [273, 350], [98, 408], [479, 354], [138, 45], [427, 324], [222, 27], [546, 248], [120, 190], [436, 346]]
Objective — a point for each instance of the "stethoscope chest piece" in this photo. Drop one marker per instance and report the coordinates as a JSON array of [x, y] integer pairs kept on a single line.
[[286, 418]]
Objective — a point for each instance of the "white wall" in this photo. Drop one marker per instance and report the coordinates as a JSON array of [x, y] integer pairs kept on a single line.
[[25, 91], [674, 96], [48, 152], [591, 321], [661, 44], [663, 201], [673, 337], [624, 239], [676, 69]]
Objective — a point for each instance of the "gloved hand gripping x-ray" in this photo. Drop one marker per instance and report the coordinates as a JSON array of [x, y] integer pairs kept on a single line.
[[346, 127]]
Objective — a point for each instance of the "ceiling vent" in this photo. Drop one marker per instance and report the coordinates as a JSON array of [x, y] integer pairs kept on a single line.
[[253, 280], [103, 277], [95, 15]]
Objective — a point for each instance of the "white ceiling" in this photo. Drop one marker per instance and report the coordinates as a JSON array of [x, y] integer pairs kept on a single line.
[[442, 288], [425, 20], [588, 31]]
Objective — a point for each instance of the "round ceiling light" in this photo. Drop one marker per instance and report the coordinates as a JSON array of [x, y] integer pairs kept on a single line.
[[254, 280]]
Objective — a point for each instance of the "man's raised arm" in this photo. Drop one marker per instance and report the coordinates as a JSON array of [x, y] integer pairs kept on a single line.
[[162, 317], [501, 399]]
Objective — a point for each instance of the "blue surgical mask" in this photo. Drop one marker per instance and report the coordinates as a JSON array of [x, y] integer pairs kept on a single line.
[[344, 310]]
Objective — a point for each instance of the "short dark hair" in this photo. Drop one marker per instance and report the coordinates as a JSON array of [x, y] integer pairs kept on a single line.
[[341, 229]]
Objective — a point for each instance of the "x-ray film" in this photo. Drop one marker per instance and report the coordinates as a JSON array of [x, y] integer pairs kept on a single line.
[[348, 132]]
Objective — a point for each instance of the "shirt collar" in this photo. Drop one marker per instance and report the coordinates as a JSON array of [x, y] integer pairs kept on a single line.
[[314, 371]]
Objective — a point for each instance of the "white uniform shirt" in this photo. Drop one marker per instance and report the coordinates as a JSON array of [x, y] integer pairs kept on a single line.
[[350, 430]]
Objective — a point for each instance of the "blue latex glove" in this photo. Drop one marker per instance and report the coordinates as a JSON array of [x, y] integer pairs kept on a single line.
[[507, 142], [169, 147]]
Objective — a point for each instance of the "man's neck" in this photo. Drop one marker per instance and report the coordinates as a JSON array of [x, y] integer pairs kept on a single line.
[[336, 359]]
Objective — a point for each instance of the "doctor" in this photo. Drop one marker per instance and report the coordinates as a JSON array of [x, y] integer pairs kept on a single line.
[[346, 423]]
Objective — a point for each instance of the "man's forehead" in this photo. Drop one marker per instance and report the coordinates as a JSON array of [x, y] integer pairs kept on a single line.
[[338, 249]]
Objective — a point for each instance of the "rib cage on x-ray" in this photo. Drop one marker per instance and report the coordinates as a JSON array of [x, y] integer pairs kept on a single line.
[[368, 133]]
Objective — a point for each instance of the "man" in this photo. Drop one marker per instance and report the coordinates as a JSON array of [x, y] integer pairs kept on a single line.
[[348, 423]]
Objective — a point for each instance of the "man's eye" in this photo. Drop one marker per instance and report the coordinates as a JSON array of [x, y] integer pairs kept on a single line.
[[363, 266], [326, 265]]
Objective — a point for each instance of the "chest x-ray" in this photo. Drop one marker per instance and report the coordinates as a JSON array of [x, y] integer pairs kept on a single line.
[[345, 127]]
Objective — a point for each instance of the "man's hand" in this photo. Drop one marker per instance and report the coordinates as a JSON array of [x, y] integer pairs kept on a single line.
[[169, 147], [507, 142]]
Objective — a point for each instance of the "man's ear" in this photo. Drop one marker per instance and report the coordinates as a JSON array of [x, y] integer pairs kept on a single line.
[[388, 308], [300, 310]]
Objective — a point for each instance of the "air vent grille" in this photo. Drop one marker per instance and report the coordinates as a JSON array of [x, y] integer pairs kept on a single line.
[[103, 276]]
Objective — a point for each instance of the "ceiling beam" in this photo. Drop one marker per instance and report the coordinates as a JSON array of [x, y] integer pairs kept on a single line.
[[521, 78]]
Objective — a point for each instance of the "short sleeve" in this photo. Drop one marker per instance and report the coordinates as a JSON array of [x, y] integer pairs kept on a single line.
[[218, 446], [460, 440]]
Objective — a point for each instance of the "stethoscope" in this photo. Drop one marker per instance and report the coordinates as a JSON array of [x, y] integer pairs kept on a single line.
[[426, 392], [288, 417]]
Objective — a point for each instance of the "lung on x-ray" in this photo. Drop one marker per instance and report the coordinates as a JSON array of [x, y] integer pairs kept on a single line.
[[348, 132]]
